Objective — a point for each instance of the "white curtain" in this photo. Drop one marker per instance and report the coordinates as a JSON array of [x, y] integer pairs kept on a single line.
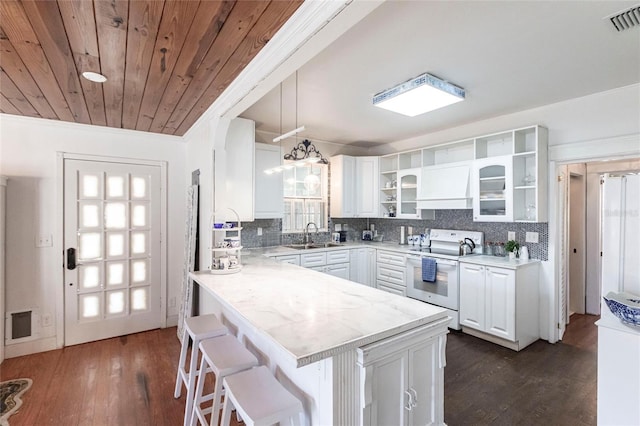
[[621, 233]]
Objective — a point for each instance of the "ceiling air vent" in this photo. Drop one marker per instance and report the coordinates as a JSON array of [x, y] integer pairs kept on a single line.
[[626, 19]]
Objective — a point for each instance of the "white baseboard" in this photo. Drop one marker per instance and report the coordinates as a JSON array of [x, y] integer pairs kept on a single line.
[[172, 320], [31, 347]]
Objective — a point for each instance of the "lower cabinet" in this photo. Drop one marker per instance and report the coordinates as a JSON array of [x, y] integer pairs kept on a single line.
[[335, 262], [293, 259], [500, 302], [390, 272], [362, 266], [403, 381]]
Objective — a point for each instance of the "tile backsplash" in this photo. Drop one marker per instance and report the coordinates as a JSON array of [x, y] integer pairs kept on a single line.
[[390, 228]]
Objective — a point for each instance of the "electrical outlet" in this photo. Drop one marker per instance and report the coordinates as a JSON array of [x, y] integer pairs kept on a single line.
[[511, 235], [45, 240], [531, 237], [46, 320], [259, 231], [172, 302]]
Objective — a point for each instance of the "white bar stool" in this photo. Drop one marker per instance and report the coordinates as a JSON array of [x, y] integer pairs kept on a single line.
[[198, 328], [259, 399], [222, 356]]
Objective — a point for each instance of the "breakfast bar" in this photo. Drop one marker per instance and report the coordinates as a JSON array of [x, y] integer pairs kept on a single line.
[[352, 354]]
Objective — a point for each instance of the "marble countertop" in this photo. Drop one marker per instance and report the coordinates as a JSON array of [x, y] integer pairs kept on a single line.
[[312, 315]]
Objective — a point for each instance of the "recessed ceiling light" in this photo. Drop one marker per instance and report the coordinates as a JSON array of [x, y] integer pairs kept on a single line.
[[94, 76]]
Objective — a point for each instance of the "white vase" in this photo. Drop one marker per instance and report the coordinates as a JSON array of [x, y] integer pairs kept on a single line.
[[524, 253], [512, 255]]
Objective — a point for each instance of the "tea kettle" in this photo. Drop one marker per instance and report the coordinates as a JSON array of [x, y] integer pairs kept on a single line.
[[466, 247]]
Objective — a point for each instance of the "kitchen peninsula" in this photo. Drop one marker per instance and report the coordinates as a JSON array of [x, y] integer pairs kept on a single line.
[[352, 354]]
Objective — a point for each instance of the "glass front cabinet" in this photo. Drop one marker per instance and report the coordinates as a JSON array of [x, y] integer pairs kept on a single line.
[[493, 183]]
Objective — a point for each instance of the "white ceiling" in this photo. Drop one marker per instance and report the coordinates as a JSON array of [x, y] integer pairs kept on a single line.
[[508, 55]]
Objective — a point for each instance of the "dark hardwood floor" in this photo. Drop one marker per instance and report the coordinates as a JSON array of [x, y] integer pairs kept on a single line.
[[543, 384], [130, 380]]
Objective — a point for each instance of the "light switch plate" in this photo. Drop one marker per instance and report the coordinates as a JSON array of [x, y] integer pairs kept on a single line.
[[511, 235], [259, 231], [531, 237], [45, 240]]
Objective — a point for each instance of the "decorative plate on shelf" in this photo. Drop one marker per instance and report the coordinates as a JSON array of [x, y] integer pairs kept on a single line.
[[625, 306]]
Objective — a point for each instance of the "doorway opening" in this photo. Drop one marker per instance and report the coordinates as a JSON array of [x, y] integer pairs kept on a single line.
[[582, 263]]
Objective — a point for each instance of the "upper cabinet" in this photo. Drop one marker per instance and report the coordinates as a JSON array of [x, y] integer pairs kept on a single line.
[[354, 186], [400, 180], [510, 176], [493, 185], [268, 187], [240, 167]]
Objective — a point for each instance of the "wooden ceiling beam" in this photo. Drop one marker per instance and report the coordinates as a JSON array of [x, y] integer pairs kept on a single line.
[[48, 26], [13, 94], [242, 18], [144, 21], [13, 66], [17, 28], [203, 32], [176, 19], [7, 107], [80, 25], [111, 24], [273, 18]]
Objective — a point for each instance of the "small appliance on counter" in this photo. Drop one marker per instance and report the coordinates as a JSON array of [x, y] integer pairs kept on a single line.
[[367, 235]]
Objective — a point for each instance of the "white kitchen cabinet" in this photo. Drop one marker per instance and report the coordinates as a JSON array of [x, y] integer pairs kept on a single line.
[[493, 189], [310, 260], [408, 187], [240, 167], [367, 186], [338, 270], [337, 256], [523, 153], [354, 186], [268, 187], [404, 386], [363, 265], [342, 186], [332, 262], [501, 303], [293, 259], [390, 272]]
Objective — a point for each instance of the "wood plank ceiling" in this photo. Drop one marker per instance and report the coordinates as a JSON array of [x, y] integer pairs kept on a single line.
[[166, 61]]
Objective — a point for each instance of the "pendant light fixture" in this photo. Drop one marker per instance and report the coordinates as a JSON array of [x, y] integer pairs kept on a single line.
[[303, 153], [295, 131]]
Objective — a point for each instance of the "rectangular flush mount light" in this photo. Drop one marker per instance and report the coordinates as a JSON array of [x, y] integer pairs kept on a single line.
[[419, 95]]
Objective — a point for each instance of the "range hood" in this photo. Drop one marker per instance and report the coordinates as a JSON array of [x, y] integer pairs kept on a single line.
[[445, 187]]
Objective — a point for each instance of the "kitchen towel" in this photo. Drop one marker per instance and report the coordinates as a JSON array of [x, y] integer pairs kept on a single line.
[[429, 267]]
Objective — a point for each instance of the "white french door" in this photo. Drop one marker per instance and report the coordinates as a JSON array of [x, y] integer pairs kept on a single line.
[[112, 224]]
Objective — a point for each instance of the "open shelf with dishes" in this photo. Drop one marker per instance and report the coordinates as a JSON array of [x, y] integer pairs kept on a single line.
[[226, 243]]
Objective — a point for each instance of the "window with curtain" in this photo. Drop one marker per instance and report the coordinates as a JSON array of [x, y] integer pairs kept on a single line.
[[305, 197]]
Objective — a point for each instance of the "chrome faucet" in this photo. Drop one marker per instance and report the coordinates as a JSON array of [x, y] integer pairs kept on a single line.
[[305, 238]]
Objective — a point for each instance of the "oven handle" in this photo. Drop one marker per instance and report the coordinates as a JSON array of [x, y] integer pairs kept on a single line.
[[438, 261]]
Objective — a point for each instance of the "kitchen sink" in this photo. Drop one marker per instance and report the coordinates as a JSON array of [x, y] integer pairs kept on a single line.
[[310, 246]]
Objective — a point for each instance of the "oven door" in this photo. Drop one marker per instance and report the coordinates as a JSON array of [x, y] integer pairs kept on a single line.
[[443, 292]]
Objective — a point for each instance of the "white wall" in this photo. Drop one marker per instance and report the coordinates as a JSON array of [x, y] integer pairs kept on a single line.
[[598, 116], [28, 156]]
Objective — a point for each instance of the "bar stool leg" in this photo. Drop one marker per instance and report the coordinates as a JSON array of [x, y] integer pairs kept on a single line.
[[217, 393], [193, 374], [183, 357], [198, 397], [227, 408]]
